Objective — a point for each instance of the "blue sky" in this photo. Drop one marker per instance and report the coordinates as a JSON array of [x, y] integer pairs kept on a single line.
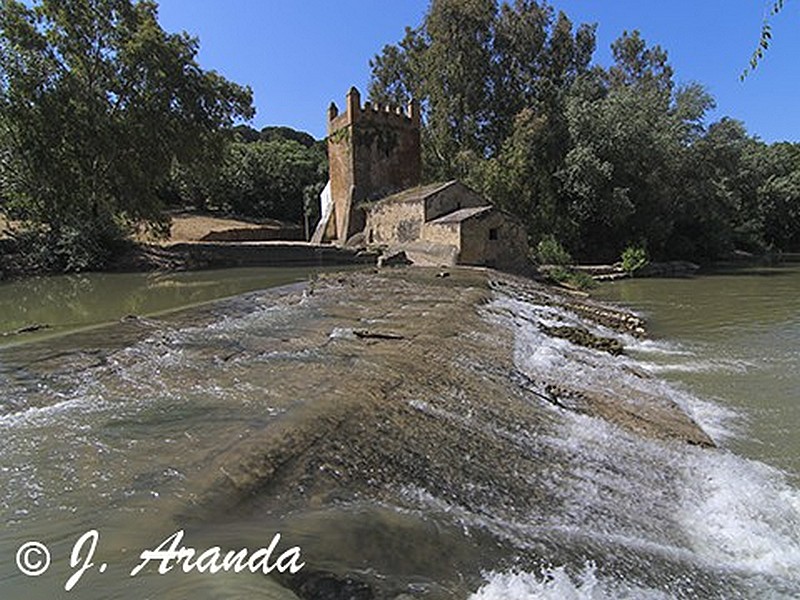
[[298, 55]]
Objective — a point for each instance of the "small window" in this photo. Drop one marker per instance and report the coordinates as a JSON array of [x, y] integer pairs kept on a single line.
[[493, 233]]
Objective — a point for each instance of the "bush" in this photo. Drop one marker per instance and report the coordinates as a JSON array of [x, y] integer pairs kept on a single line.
[[633, 259], [550, 252], [70, 248], [571, 278]]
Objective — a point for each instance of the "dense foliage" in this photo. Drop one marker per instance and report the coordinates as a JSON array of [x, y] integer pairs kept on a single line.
[[276, 173], [599, 159], [97, 103], [105, 120]]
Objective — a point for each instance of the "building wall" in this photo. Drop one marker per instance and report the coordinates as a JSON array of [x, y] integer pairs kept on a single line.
[[395, 222], [340, 168], [448, 234], [453, 197], [494, 240], [373, 151]]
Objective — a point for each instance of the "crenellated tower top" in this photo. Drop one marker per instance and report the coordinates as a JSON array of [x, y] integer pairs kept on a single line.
[[374, 112], [373, 151]]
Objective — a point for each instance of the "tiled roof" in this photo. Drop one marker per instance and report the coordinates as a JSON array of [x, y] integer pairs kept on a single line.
[[462, 214], [418, 193]]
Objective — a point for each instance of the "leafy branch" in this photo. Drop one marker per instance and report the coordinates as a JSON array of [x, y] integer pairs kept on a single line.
[[764, 39]]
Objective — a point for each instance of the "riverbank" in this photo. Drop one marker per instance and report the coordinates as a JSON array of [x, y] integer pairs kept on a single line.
[[198, 241], [194, 256], [198, 256]]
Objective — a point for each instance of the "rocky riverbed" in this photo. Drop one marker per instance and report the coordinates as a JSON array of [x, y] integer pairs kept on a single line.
[[411, 380], [411, 430]]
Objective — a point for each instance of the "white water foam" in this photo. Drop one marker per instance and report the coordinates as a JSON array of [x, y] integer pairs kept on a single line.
[[37, 415], [696, 365], [554, 583], [582, 368], [729, 514], [720, 512], [743, 514], [656, 347]]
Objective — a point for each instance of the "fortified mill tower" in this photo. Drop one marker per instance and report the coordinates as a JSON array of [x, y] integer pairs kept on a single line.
[[373, 151]]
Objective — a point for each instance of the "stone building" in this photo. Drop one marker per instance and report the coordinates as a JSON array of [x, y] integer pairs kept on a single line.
[[447, 224], [372, 151], [374, 196]]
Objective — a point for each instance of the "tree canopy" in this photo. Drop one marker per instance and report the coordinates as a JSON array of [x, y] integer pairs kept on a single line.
[[275, 173], [599, 159], [97, 103]]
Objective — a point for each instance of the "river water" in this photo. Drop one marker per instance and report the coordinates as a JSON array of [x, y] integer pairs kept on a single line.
[[57, 305], [728, 344], [732, 337], [110, 427]]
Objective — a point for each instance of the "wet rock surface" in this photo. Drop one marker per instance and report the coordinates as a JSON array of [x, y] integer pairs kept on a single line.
[[408, 393], [316, 585], [582, 337], [411, 433]]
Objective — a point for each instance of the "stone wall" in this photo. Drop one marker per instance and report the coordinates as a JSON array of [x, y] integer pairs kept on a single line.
[[214, 255], [442, 233], [285, 232], [395, 222], [494, 240], [373, 151], [406, 216], [340, 167], [451, 198]]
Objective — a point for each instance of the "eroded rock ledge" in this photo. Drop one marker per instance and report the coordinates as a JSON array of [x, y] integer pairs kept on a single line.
[[375, 403], [408, 388]]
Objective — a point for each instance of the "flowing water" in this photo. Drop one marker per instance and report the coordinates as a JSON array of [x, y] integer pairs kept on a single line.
[[112, 427], [52, 306], [732, 337], [728, 344]]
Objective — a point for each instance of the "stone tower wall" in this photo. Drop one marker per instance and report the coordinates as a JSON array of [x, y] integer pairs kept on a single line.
[[373, 150]]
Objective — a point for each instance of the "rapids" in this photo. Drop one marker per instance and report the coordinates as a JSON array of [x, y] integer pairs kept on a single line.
[[415, 436]]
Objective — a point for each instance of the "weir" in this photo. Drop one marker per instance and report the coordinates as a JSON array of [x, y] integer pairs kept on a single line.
[[213, 255], [358, 418]]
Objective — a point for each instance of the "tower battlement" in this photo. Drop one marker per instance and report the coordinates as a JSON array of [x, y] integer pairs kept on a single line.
[[372, 112], [373, 151]]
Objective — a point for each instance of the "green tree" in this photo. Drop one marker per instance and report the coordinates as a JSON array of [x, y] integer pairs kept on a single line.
[[779, 198], [716, 191], [97, 102], [630, 129], [636, 65], [474, 65], [522, 179], [254, 174], [777, 204], [269, 179], [598, 159], [457, 65]]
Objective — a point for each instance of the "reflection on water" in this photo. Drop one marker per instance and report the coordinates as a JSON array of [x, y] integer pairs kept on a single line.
[[67, 302]]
